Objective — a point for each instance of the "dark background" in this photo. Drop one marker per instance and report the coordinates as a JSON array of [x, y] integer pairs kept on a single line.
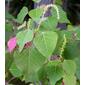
[[72, 7]]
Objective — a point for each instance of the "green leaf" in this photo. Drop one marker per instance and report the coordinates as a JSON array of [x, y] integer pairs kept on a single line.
[[70, 27], [15, 71], [8, 15], [72, 50], [58, 2], [8, 60], [45, 42], [62, 14], [72, 44], [55, 73], [43, 75], [23, 12], [24, 37], [29, 62], [52, 71], [37, 1], [8, 35], [36, 14], [75, 30], [9, 32], [77, 60], [69, 80], [69, 67], [49, 24], [9, 27], [77, 33], [53, 63]]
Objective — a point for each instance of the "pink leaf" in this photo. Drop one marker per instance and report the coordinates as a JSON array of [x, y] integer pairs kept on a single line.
[[11, 44]]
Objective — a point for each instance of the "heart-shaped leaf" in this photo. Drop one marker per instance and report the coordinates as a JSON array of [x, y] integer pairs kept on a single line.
[[29, 62], [45, 42], [54, 72], [36, 14]]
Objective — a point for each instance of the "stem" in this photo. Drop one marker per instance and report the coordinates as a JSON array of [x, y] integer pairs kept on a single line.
[[21, 26]]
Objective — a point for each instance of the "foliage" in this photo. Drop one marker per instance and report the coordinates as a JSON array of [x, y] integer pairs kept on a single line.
[[33, 63]]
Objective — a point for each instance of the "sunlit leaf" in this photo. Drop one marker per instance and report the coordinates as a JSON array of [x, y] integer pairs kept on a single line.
[[36, 14], [45, 42], [24, 37], [23, 12]]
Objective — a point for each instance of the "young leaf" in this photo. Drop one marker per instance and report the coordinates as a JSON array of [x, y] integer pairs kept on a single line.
[[15, 71], [69, 80], [29, 62], [36, 14], [24, 37], [69, 67], [22, 14], [45, 42]]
